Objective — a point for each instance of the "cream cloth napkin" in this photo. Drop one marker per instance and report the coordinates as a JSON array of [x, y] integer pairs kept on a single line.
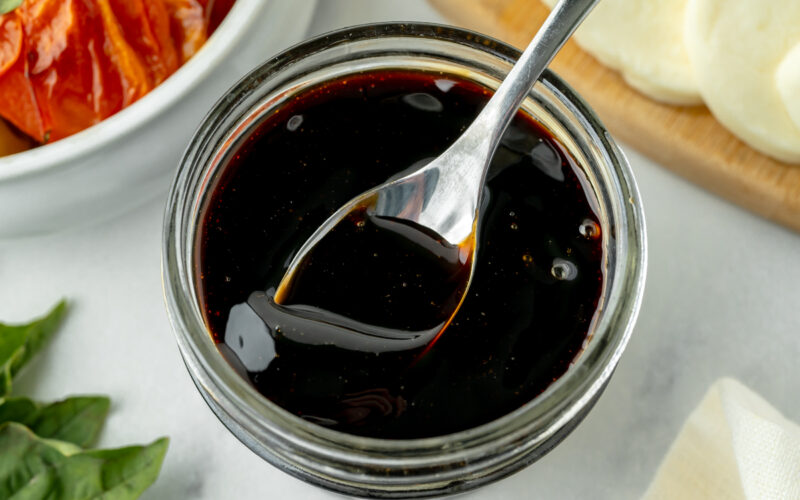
[[733, 446]]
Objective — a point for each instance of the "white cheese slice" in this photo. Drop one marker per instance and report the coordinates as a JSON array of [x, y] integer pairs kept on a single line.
[[787, 81], [736, 47], [643, 40]]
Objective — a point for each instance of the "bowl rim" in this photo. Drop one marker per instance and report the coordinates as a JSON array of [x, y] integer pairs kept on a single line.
[[62, 153]]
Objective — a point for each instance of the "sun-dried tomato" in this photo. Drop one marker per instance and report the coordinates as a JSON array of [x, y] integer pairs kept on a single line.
[[216, 10], [68, 64], [189, 26]]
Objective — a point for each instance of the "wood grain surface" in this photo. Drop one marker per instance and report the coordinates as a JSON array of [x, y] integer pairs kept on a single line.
[[687, 140]]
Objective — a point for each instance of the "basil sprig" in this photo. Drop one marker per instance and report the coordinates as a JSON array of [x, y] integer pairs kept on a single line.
[[18, 344], [42, 446], [77, 420]]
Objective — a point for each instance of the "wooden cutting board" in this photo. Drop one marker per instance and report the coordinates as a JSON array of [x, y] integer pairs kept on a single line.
[[687, 140]]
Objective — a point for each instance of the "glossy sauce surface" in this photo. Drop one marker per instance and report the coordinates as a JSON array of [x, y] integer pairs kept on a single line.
[[537, 280], [381, 272]]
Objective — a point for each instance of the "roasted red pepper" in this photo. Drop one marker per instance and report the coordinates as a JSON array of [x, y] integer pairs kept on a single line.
[[68, 64]]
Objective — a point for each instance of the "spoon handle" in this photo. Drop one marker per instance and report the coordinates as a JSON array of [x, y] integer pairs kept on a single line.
[[482, 137], [557, 28], [445, 195]]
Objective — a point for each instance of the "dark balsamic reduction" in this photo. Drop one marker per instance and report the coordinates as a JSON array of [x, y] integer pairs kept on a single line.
[[537, 279]]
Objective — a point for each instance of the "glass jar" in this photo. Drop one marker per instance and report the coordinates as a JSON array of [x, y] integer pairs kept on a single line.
[[419, 467]]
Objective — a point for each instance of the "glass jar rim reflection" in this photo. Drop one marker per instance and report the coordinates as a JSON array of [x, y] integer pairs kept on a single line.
[[429, 466]]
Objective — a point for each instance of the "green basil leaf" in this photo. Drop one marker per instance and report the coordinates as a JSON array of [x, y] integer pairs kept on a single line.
[[12, 339], [7, 6], [7, 370], [77, 420], [32, 468], [19, 343], [24, 458], [18, 410], [40, 487], [121, 474], [39, 333]]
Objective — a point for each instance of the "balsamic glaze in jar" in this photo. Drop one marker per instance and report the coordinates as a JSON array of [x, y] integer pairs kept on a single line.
[[536, 284]]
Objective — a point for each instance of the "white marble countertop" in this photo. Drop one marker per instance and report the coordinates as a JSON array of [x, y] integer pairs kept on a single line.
[[722, 299]]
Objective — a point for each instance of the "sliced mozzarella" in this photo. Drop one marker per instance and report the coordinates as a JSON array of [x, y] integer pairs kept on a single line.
[[643, 39], [787, 80], [736, 47]]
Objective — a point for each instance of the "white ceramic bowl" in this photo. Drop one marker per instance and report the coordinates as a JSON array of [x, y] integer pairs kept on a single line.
[[129, 158]]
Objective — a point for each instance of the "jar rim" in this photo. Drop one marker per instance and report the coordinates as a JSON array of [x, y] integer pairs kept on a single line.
[[262, 421]]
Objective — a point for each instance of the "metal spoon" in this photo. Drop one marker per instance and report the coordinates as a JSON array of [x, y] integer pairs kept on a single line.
[[444, 196]]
